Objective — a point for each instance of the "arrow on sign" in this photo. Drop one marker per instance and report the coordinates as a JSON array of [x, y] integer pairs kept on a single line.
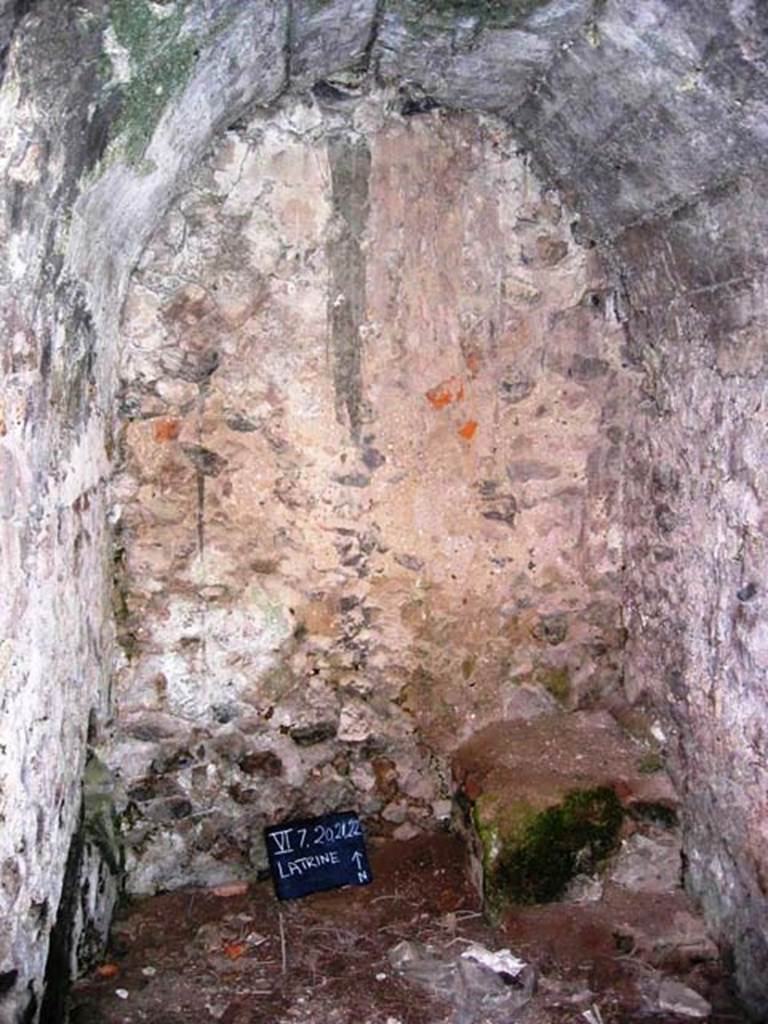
[[357, 860]]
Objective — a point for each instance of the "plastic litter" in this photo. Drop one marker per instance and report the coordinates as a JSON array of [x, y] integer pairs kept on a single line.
[[503, 961], [478, 981]]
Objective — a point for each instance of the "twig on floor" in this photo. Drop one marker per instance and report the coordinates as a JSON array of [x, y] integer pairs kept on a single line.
[[394, 929], [283, 950]]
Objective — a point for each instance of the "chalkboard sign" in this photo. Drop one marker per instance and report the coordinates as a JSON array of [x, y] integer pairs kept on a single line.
[[316, 854]]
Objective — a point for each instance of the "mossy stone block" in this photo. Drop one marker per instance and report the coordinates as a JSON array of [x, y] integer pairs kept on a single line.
[[530, 853]]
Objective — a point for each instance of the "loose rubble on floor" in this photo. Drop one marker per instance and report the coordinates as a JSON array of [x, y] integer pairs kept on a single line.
[[415, 948]]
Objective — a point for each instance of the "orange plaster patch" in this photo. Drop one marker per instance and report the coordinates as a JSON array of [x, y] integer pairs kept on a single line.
[[469, 429], [446, 392], [473, 363], [167, 429]]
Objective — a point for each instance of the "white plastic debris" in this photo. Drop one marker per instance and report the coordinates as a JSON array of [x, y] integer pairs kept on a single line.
[[477, 979], [121, 993], [503, 961], [149, 972], [381, 976], [424, 964]]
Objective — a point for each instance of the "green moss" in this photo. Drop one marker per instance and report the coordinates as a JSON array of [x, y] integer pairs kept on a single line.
[[161, 61], [488, 834], [556, 679], [101, 825], [530, 855], [652, 762]]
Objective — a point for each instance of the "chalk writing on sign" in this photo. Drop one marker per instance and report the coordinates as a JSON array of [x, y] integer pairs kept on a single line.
[[315, 854]]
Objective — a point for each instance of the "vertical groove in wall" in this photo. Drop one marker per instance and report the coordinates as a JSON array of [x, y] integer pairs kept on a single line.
[[350, 163]]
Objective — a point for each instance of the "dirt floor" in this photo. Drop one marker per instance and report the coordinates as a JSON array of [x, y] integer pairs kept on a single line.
[[244, 958]]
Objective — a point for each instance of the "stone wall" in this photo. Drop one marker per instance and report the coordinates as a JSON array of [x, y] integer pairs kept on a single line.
[[369, 482], [634, 110], [55, 600], [70, 232], [696, 543]]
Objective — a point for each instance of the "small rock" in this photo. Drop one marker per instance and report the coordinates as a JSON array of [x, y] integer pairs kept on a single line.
[[674, 997], [406, 831], [396, 812], [584, 889], [231, 889], [362, 777], [442, 809], [353, 480], [528, 700], [149, 972], [647, 864], [356, 723], [519, 290], [121, 993], [551, 629]]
